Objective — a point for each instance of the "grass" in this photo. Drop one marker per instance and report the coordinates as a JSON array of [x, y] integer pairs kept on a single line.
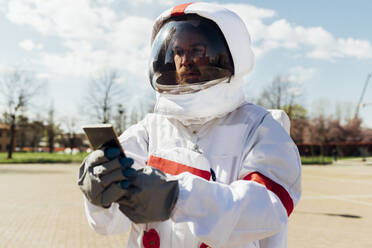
[[323, 160], [317, 160], [44, 157], [41, 157]]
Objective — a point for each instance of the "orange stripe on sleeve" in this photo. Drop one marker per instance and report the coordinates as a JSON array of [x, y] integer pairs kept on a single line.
[[174, 168], [277, 189]]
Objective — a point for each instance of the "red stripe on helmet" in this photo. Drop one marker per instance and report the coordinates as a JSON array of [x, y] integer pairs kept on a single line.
[[174, 168], [179, 9], [277, 189]]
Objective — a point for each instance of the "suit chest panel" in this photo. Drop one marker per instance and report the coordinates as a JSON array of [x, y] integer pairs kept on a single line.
[[220, 145]]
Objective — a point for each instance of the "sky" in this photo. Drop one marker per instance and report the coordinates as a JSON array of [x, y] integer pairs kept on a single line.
[[324, 47]]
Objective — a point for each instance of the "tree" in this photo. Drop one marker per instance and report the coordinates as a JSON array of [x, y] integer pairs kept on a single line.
[[282, 93], [295, 111], [69, 138], [18, 88], [367, 135], [52, 129], [353, 129], [22, 131], [335, 132], [134, 117], [36, 132], [102, 96], [29, 134], [120, 119], [319, 132], [299, 127]]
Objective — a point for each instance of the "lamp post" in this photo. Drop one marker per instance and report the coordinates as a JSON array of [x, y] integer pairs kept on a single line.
[[121, 112]]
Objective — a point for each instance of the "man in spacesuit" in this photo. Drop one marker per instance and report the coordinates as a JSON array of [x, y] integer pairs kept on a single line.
[[206, 169]]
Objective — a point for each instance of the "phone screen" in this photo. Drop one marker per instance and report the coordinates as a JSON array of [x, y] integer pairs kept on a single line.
[[100, 135]]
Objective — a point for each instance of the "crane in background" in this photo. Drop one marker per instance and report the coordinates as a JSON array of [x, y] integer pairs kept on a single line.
[[365, 104], [361, 97]]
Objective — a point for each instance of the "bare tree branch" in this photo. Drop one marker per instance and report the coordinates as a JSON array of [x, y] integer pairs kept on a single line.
[[18, 88], [281, 94], [102, 96]]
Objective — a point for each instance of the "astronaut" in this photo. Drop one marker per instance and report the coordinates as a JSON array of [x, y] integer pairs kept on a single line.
[[207, 168]]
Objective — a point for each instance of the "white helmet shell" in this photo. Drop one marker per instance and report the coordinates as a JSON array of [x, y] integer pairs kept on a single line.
[[231, 25]]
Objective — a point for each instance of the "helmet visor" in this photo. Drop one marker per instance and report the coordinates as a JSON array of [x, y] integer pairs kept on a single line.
[[188, 55]]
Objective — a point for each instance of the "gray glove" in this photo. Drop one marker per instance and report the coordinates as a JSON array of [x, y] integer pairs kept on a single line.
[[151, 196], [100, 175]]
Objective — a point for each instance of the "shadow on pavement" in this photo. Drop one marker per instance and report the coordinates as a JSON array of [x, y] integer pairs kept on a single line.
[[345, 215], [351, 216]]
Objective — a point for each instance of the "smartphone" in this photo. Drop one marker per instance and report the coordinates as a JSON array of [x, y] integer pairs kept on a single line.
[[100, 135]]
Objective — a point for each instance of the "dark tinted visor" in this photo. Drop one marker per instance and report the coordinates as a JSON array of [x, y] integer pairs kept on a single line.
[[189, 50]]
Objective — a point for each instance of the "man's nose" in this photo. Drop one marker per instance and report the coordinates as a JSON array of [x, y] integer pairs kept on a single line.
[[186, 58]]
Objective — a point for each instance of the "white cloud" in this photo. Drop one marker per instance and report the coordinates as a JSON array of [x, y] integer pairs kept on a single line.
[[317, 42], [161, 2], [3, 6], [42, 76], [130, 43], [361, 49], [97, 36], [253, 17], [126, 47], [82, 60], [28, 45], [75, 19], [4, 69], [301, 74], [79, 19]]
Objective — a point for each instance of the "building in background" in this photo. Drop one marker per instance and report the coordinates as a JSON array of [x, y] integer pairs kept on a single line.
[[4, 137]]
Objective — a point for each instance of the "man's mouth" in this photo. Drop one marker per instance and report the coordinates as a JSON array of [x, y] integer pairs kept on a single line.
[[191, 74]]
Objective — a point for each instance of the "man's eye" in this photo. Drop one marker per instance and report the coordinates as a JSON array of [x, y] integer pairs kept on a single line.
[[197, 51], [178, 52]]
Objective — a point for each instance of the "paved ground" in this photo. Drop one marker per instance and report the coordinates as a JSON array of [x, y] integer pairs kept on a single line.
[[41, 206], [335, 209]]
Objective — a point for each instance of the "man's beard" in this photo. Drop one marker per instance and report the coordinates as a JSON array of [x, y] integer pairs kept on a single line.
[[194, 74], [188, 75]]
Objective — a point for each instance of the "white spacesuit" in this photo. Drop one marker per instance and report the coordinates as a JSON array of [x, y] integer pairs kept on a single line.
[[238, 171]]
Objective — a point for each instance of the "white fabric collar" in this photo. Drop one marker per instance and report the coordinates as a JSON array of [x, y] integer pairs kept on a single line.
[[201, 106]]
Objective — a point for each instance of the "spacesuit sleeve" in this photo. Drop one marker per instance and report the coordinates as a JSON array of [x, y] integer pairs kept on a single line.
[[111, 220], [254, 207]]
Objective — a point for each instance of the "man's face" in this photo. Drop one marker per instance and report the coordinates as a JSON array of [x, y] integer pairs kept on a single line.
[[190, 57]]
